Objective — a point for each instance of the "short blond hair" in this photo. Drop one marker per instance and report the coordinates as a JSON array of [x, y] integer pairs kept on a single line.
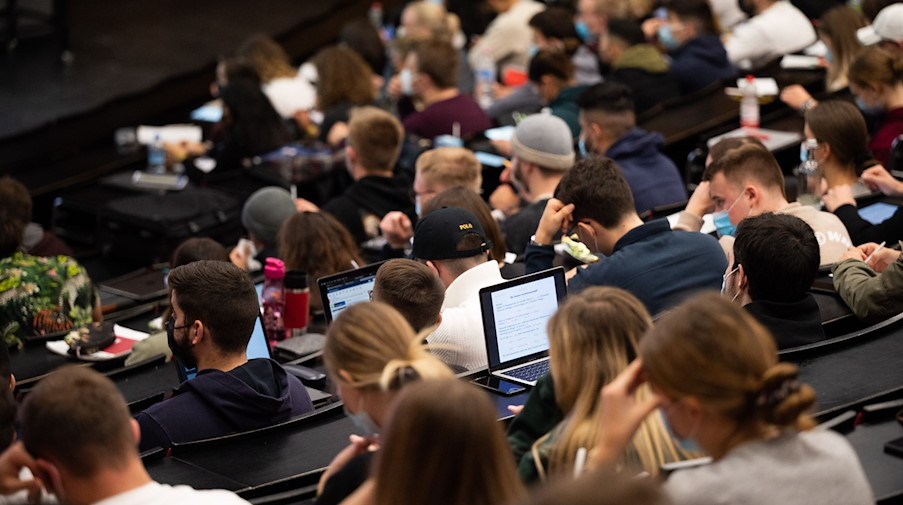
[[451, 167], [376, 137]]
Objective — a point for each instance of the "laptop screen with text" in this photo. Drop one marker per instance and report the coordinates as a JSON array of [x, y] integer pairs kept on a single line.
[[516, 315]]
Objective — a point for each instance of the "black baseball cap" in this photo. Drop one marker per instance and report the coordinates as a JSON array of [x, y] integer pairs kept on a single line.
[[437, 235]]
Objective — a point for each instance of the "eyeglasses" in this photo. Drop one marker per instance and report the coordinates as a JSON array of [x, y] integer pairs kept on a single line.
[[573, 228]]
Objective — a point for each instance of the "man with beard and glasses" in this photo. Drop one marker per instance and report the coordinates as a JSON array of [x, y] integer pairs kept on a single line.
[[214, 308]]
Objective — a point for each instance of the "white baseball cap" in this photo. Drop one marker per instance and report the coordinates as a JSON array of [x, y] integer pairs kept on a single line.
[[888, 25]]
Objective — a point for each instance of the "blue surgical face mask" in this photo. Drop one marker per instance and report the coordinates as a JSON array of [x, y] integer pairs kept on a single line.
[[583, 31], [418, 206], [870, 110], [362, 421], [687, 444], [407, 82], [581, 146], [829, 56], [666, 37], [533, 50], [723, 223], [722, 220]]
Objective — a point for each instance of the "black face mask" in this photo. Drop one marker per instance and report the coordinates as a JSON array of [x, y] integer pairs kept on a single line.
[[180, 351]]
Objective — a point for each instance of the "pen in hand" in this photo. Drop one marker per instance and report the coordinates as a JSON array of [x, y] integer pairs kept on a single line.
[[880, 246]]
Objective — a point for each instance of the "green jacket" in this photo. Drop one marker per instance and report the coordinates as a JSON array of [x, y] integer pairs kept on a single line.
[[871, 296], [540, 415]]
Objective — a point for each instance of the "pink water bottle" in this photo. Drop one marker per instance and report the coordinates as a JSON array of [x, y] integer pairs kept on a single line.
[[274, 300]]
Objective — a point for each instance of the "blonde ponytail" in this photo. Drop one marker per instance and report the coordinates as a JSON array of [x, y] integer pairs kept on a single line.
[[376, 346]]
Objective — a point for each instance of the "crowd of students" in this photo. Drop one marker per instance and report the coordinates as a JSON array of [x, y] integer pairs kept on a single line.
[[648, 364]]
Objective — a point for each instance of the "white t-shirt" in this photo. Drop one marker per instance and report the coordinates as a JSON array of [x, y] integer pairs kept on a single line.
[[809, 467], [509, 37], [728, 13], [778, 30], [460, 335], [155, 493]]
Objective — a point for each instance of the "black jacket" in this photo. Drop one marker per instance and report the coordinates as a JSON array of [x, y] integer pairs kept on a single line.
[[365, 203], [791, 324], [700, 62], [215, 403]]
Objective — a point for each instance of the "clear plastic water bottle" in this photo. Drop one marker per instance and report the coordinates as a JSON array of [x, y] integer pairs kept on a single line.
[[375, 15], [808, 174], [156, 156], [273, 297], [749, 104], [485, 77]]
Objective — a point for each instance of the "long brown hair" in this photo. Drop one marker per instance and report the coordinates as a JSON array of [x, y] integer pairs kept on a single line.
[[317, 243], [445, 446], [467, 199], [342, 77], [840, 124], [876, 65], [713, 350], [268, 57], [839, 25], [592, 338], [377, 347]]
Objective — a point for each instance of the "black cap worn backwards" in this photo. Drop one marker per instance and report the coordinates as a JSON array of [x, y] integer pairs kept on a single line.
[[437, 235]]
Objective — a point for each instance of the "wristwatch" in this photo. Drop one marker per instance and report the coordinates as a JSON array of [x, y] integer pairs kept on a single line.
[[534, 242]]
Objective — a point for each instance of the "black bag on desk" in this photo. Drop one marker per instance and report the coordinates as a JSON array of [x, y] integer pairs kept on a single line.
[[149, 227]]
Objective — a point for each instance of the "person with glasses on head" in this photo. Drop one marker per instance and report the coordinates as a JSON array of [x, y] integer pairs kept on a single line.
[[214, 309]]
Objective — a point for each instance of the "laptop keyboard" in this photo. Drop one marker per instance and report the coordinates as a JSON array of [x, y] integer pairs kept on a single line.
[[531, 372]]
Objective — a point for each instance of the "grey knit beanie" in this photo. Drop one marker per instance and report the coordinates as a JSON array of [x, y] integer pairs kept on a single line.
[[544, 139], [265, 211]]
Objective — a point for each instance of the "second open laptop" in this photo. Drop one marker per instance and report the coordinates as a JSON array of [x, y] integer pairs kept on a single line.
[[515, 317], [344, 289]]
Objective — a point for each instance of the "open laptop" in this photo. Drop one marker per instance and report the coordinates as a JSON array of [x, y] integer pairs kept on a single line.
[[344, 289], [515, 317], [258, 345]]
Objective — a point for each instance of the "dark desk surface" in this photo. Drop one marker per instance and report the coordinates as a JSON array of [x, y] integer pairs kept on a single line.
[[884, 471], [273, 456], [34, 360], [147, 381], [174, 471], [849, 375]]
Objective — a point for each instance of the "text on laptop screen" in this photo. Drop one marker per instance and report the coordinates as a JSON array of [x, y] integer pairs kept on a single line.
[[344, 296], [521, 315]]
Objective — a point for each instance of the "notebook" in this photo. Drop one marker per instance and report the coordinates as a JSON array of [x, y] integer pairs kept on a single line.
[[515, 317], [344, 289]]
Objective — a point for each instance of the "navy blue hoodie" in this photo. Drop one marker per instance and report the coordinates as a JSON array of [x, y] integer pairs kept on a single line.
[[700, 62], [653, 178], [215, 403]]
